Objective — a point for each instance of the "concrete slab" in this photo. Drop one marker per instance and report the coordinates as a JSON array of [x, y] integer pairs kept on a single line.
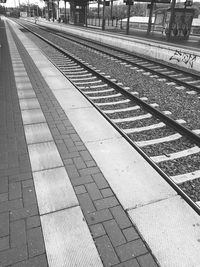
[[19, 68], [44, 156], [20, 74], [90, 124], [31, 103], [33, 116], [17, 64], [70, 99], [56, 83], [24, 86], [54, 190], [41, 61], [74, 245], [26, 94], [132, 179], [172, 230], [37, 133], [24, 79], [48, 70]]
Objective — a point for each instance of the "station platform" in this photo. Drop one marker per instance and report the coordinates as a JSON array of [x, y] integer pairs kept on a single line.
[[73, 192], [155, 36], [184, 54]]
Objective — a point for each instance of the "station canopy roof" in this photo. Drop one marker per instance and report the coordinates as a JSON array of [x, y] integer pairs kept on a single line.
[[91, 1]]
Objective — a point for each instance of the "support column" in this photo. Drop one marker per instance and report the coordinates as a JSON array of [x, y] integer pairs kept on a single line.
[[130, 2], [103, 16], [171, 19], [150, 17]]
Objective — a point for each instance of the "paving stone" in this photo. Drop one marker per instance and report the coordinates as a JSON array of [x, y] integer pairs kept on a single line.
[[82, 148], [81, 180], [15, 190], [106, 203], [33, 221], [97, 230], [27, 183], [35, 242], [17, 233], [4, 243], [78, 144], [3, 184], [14, 255], [3, 197], [93, 191], [120, 217], [114, 233], [38, 261], [20, 177], [86, 203], [68, 162], [80, 164], [23, 213], [86, 155], [131, 250], [107, 192], [90, 163], [72, 171], [12, 171], [98, 216], [4, 224], [100, 180], [147, 261], [130, 234], [11, 205], [75, 137], [69, 143], [80, 189], [89, 171], [129, 263], [70, 155], [29, 196], [106, 251]]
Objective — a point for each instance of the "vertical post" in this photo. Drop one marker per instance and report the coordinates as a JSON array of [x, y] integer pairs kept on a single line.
[[86, 13], [28, 8], [150, 17], [98, 11], [65, 11], [111, 11], [171, 19], [128, 16], [48, 9], [103, 16], [58, 12], [98, 8]]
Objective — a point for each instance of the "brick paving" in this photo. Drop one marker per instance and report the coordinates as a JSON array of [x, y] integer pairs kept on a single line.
[[21, 239], [21, 244]]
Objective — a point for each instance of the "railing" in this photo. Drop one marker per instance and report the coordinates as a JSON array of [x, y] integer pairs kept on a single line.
[[120, 24]]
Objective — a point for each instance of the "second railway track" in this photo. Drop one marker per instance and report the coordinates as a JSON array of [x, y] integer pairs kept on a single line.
[[169, 142]]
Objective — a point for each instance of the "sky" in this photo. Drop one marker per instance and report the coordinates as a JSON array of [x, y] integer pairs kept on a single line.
[[14, 3]]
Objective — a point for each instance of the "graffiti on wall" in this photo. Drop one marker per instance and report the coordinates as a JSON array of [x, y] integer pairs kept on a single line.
[[186, 58]]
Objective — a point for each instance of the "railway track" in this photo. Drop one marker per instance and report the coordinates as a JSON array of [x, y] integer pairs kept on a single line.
[[167, 143], [151, 67]]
